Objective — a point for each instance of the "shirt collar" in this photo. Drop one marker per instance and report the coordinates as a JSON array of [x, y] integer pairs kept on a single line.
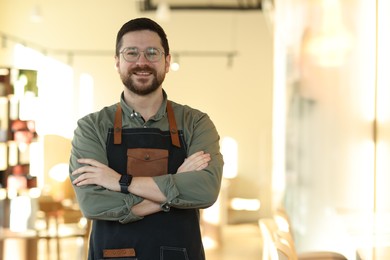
[[129, 111]]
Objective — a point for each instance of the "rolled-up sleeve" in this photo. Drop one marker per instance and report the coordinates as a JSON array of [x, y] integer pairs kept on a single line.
[[196, 189], [97, 202]]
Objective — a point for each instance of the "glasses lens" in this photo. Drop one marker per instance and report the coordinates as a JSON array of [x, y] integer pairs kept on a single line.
[[130, 54], [152, 54]]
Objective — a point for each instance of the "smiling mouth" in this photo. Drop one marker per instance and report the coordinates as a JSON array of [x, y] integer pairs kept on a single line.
[[143, 73]]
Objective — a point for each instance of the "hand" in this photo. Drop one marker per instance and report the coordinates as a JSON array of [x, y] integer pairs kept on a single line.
[[196, 162], [96, 173]]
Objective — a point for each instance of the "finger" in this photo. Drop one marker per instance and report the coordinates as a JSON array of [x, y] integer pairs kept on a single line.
[[78, 180], [194, 155], [79, 170], [201, 159], [84, 179], [89, 161], [83, 169], [202, 166], [202, 163], [81, 183]]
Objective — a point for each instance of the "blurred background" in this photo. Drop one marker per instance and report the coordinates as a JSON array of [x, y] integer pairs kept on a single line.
[[297, 89]]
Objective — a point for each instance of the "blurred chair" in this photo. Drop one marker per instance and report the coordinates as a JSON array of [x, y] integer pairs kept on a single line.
[[275, 247], [278, 241], [61, 222]]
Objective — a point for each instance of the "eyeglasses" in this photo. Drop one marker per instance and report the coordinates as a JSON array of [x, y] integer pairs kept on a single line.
[[132, 54]]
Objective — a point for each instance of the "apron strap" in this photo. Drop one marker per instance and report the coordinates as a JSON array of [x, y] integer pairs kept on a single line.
[[172, 125], [171, 120], [118, 125]]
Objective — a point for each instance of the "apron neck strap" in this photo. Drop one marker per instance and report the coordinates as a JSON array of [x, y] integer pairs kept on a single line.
[[171, 120], [118, 125], [172, 125]]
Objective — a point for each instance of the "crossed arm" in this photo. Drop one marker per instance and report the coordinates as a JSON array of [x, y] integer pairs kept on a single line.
[[96, 173]]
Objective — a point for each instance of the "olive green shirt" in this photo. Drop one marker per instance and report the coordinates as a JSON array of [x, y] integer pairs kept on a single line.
[[197, 189]]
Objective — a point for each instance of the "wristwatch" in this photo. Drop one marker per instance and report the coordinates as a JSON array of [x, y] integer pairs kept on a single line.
[[124, 182]]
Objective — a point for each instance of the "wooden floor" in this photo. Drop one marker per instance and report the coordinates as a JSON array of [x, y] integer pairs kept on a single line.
[[239, 242]]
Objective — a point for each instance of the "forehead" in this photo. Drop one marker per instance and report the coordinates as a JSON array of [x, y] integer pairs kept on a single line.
[[141, 39]]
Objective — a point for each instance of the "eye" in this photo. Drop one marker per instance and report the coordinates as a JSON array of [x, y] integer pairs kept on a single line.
[[131, 52], [152, 52]]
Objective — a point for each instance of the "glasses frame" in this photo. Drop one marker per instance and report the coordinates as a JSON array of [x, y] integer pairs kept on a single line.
[[161, 54]]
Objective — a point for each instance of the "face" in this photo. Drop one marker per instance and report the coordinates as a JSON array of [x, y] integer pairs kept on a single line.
[[142, 77]]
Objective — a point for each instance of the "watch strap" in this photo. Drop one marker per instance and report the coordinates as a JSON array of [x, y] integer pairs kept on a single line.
[[124, 183]]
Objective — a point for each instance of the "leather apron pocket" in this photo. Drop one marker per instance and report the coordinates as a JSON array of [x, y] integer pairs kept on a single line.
[[147, 162], [119, 254]]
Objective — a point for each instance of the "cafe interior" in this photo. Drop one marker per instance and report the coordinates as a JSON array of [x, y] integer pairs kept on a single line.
[[298, 92]]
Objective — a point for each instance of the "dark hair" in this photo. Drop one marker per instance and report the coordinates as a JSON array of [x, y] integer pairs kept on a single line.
[[139, 24]]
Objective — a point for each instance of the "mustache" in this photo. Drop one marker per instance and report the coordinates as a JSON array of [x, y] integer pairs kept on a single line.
[[143, 68]]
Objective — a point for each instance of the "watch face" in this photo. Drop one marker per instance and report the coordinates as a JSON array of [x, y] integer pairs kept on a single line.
[[124, 179]]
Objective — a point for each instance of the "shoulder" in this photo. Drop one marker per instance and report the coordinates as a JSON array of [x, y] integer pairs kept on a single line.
[[101, 118], [186, 111], [191, 118]]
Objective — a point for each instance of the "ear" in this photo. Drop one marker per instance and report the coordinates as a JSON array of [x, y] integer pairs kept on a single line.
[[167, 63], [117, 63]]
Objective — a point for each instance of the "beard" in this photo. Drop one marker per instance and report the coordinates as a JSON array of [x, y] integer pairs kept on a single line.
[[141, 88]]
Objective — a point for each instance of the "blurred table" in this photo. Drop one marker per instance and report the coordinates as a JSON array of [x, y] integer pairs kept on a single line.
[[30, 238], [375, 253]]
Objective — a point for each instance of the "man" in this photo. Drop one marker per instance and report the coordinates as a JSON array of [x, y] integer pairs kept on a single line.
[[143, 168]]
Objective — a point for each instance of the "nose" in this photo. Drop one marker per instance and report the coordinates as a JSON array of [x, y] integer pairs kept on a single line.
[[142, 58]]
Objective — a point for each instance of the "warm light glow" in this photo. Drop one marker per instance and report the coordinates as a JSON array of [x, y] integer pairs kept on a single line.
[[383, 104], [209, 243], [50, 70], [245, 204], [36, 161], [28, 107], [11, 193], [3, 114], [229, 150], [59, 172], [282, 224], [14, 107], [20, 211], [85, 94], [175, 66], [212, 214], [34, 193], [19, 86], [279, 115], [3, 156], [3, 194], [12, 153], [332, 42], [367, 60]]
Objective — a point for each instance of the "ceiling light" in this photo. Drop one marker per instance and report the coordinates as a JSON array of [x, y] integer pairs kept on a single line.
[[163, 12], [36, 14]]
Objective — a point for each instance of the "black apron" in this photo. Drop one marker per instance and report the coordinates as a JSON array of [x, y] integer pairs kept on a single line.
[[173, 235]]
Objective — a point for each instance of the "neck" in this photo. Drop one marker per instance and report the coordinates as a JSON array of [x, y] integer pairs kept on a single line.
[[147, 105]]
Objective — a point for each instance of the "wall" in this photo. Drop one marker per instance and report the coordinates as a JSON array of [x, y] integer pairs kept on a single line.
[[238, 97], [336, 96]]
